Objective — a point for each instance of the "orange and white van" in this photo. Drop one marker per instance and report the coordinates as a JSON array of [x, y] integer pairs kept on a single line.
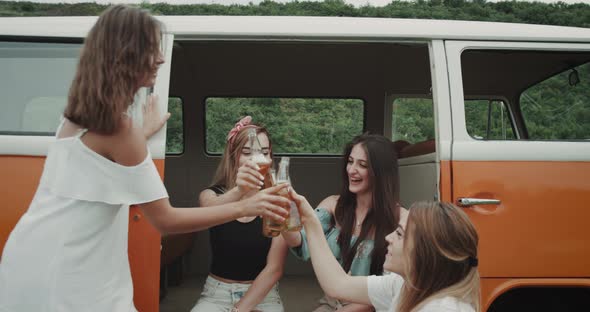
[[492, 116]]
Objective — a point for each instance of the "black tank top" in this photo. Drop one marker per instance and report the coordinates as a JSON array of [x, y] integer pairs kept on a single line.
[[238, 250]]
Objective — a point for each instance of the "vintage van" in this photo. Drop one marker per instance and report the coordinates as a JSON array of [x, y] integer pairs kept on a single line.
[[503, 130]]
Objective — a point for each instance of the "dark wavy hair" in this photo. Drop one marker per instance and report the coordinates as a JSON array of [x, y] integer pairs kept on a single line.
[[383, 215], [118, 53]]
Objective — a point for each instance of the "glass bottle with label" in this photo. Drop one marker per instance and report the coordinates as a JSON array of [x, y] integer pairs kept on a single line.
[[270, 227]]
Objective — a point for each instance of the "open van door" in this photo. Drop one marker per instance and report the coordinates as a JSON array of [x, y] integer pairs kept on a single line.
[[35, 77], [521, 160]]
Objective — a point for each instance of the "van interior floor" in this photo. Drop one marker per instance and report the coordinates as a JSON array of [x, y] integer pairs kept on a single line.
[[298, 292]]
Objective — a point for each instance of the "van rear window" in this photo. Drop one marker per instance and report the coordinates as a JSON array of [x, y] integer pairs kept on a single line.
[[296, 125]]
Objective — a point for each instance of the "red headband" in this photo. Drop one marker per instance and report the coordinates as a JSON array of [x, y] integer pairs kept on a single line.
[[239, 126]]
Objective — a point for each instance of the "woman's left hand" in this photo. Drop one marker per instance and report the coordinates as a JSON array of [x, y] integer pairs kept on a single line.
[[152, 120]]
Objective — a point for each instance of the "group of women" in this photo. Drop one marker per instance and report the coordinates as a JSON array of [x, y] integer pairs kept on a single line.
[[68, 252]]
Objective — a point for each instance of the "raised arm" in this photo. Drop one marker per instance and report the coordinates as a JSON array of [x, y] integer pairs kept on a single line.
[[333, 280], [128, 148], [171, 220], [267, 278], [294, 239]]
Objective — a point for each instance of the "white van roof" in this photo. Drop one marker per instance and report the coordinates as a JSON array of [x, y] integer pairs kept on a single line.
[[308, 28]]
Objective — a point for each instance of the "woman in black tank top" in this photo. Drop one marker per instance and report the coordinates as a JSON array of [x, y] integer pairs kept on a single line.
[[245, 265]]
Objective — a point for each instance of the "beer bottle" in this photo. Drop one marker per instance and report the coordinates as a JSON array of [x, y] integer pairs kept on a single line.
[[293, 222]]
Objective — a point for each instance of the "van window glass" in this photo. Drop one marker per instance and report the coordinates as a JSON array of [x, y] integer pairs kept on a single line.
[[174, 127], [412, 120], [296, 125], [34, 84], [488, 120], [558, 108], [547, 91]]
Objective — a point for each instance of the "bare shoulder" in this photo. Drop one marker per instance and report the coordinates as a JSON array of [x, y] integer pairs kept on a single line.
[[128, 146], [329, 203]]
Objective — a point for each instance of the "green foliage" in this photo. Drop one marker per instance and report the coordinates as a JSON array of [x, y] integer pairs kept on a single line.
[[296, 125], [413, 120], [479, 10], [556, 110], [476, 118], [174, 127]]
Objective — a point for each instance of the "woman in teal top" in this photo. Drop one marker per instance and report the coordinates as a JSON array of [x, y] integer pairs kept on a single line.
[[361, 264], [367, 207]]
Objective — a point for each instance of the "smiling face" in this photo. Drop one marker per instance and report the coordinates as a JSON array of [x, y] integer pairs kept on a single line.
[[395, 260], [357, 168]]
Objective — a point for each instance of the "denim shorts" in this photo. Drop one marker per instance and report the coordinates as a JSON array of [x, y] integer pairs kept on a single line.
[[220, 296], [328, 304]]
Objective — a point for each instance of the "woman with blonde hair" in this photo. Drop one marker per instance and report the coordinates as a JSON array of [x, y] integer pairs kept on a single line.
[[68, 252], [432, 256], [252, 282]]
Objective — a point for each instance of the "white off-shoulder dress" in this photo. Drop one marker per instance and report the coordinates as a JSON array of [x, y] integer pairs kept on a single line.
[[68, 252]]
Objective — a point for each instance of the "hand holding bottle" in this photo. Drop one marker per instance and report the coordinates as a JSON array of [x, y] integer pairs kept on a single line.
[[267, 204], [249, 178], [306, 212]]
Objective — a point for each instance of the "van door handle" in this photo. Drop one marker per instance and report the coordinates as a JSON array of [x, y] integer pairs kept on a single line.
[[466, 201]]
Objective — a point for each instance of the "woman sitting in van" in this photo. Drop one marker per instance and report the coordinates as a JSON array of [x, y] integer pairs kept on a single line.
[[356, 221], [245, 265], [432, 254], [68, 252]]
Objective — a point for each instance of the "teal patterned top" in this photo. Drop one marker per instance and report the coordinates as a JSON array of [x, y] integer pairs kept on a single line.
[[361, 264]]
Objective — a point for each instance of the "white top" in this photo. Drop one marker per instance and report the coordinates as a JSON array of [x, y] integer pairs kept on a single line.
[[68, 252], [384, 294]]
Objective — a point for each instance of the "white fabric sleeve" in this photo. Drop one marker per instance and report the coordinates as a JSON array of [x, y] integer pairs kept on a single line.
[[72, 170], [446, 304], [382, 290]]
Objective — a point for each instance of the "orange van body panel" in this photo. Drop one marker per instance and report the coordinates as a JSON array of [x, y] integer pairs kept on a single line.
[[540, 229], [445, 181], [20, 178], [538, 234]]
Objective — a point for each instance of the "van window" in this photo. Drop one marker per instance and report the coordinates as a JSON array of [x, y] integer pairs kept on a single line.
[[296, 125], [175, 127], [488, 120], [34, 84], [558, 108], [548, 93], [412, 120]]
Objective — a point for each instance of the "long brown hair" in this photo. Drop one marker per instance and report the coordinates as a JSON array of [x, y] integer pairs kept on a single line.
[[383, 215], [225, 175], [119, 51], [441, 256]]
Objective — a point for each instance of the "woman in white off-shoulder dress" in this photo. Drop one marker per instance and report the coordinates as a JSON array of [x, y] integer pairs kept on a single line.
[[68, 252]]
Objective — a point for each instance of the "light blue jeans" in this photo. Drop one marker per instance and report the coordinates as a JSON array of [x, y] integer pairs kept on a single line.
[[218, 296]]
